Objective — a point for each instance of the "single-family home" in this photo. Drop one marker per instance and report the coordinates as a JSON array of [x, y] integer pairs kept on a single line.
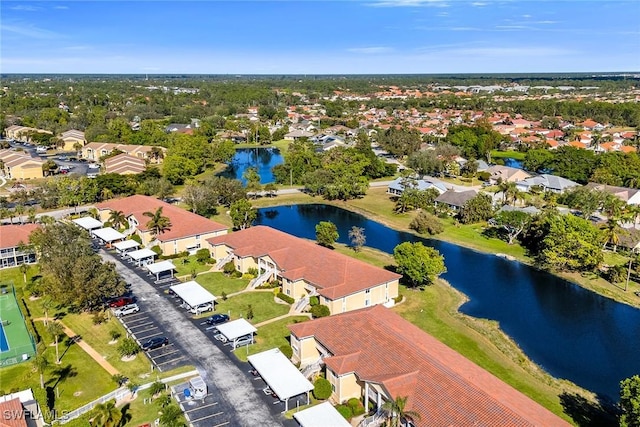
[[12, 240], [375, 355], [306, 269], [398, 185], [188, 231], [501, 173], [455, 199], [553, 183], [20, 165], [72, 139], [630, 239], [297, 134], [630, 196], [124, 164], [95, 150]]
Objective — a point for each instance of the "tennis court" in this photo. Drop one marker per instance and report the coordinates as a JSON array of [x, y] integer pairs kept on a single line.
[[15, 340]]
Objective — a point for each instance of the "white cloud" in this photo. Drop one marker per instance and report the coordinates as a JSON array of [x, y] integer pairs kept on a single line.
[[527, 16], [547, 22], [61, 7], [443, 13], [30, 31], [479, 4], [25, 8], [409, 3], [370, 50], [510, 52]]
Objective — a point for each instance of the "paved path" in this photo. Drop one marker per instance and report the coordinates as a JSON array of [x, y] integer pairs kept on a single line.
[[235, 391], [87, 348]]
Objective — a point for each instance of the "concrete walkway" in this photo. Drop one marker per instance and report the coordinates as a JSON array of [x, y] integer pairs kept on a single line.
[[292, 312], [87, 348]]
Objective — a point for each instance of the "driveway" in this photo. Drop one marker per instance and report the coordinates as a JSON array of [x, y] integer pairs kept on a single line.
[[228, 385]]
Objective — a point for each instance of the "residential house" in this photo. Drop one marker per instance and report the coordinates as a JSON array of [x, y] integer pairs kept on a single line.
[[20, 165], [630, 239], [295, 135], [375, 355], [12, 238], [306, 269], [95, 150], [183, 128], [21, 133], [455, 199], [501, 173], [72, 138], [555, 184], [124, 164], [630, 196], [188, 231], [397, 186]]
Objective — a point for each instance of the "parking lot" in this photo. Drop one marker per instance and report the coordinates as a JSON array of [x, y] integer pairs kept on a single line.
[[201, 413], [142, 327]]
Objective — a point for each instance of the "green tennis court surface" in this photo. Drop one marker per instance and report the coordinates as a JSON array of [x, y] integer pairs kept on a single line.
[[15, 340]]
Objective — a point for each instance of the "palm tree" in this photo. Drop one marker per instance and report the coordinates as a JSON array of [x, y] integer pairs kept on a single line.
[[23, 269], [117, 219], [158, 223], [47, 304], [396, 413], [107, 414], [56, 329], [31, 215], [612, 233], [40, 363], [77, 146], [19, 210], [171, 416]]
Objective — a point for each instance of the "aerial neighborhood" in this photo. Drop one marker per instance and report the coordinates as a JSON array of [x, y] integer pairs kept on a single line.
[[318, 252]]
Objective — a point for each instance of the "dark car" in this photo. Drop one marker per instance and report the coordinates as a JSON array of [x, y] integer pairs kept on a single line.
[[217, 319], [156, 342], [120, 302]]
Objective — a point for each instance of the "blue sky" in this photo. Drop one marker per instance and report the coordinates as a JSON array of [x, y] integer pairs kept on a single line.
[[319, 37]]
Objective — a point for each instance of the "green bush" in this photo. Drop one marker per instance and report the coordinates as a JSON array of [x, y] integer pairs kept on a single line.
[[99, 317], [115, 334], [253, 271], [157, 250], [286, 350], [425, 222], [203, 255], [484, 176], [322, 389], [157, 388], [345, 411], [223, 296], [136, 238], [616, 274], [229, 268], [398, 299], [353, 402], [236, 274], [356, 406], [119, 379], [320, 311], [128, 347], [285, 298], [314, 300], [173, 256]]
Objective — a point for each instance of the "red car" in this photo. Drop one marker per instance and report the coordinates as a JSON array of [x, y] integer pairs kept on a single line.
[[120, 302]]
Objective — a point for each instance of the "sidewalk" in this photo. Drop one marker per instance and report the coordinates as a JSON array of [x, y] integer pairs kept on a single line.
[[87, 348]]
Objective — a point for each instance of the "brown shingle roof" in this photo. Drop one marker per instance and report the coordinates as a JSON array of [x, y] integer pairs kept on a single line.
[[183, 223], [445, 388], [124, 163], [12, 235], [456, 198], [335, 275]]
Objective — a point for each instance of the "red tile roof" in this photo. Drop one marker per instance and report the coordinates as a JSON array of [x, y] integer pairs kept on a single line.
[[183, 223], [12, 235], [444, 387], [335, 275], [12, 414]]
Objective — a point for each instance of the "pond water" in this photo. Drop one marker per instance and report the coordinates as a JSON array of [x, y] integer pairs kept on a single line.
[[569, 331], [263, 159], [513, 163]]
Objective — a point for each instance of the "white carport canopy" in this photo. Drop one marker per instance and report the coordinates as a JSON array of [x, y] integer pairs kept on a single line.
[[193, 294], [161, 267], [281, 375], [321, 415], [236, 329], [88, 223], [141, 255], [108, 234], [125, 245]]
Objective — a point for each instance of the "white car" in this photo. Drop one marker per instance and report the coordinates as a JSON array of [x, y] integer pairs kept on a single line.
[[94, 166], [127, 309], [201, 308]]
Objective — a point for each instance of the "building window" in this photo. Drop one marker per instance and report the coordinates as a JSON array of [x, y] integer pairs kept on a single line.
[[197, 237], [333, 387], [288, 292]]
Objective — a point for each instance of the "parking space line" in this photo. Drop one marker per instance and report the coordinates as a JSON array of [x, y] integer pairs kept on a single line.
[[166, 354], [169, 361], [148, 336], [130, 319], [223, 424], [144, 330], [159, 348], [150, 322], [202, 407], [135, 315], [207, 417]]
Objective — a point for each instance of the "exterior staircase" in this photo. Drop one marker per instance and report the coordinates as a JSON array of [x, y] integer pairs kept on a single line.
[[312, 368], [302, 303], [223, 261], [374, 420], [261, 279]]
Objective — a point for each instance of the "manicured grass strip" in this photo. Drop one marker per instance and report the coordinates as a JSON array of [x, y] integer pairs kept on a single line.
[[263, 305], [272, 335], [189, 265], [518, 155], [217, 283]]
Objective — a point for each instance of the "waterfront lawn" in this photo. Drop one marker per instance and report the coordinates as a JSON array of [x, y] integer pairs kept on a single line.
[[217, 283], [517, 155], [434, 310], [187, 266], [271, 335], [262, 302], [366, 254]]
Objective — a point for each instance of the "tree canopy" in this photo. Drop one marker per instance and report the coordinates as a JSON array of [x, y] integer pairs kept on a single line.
[[418, 263]]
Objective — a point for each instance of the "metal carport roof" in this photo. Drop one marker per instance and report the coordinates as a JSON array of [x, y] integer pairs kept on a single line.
[[193, 294], [108, 234], [321, 415], [88, 223]]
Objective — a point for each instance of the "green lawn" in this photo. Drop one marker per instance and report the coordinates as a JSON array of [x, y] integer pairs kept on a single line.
[[518, 155], [188, 265], [272, 335], [263, 304], [435, 311], [217, 283]]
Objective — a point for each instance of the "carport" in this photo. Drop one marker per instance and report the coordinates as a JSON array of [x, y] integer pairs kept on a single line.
[[142, 256], [321, 415], [282, 377], [108, 235], [125, 245], [161, 267], [193, 294], [88, 223], [236, 329]]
